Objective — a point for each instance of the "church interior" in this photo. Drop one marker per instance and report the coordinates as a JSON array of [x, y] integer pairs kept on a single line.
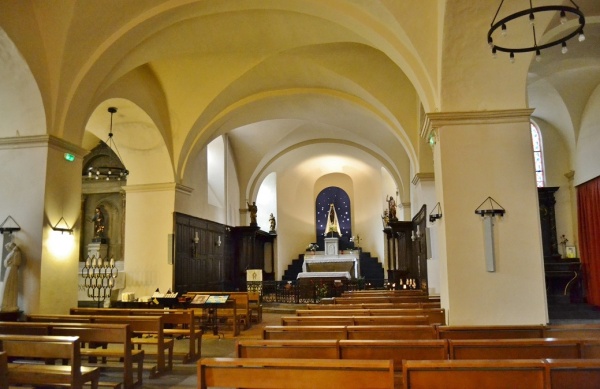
[[182, 146]]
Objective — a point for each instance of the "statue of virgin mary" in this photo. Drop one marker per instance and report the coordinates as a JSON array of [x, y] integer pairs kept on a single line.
[[333, 227]]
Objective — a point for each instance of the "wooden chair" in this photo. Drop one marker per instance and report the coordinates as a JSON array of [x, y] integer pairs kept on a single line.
[[255, 306]]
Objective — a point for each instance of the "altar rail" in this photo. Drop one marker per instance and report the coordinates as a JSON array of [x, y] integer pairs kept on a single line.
[[308, 291]]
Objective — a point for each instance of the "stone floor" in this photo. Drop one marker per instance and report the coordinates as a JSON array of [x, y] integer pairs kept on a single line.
[[183, 376]]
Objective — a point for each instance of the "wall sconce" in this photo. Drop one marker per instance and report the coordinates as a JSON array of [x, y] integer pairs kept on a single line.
[[436, 213], [10, 227], [488, 231], [218, 241], [62, 229]]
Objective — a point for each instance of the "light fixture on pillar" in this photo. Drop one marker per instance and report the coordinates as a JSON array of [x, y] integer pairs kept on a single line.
[[570, 16], [110, 165], [62, 228], [9, 225], [488, 215], [436, 213]]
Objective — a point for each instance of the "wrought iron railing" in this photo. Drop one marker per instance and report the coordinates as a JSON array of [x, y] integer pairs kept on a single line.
[[306, 291]]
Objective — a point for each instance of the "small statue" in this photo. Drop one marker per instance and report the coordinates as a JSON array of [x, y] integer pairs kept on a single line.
[[272, 223], [10, 292], [99, 225], [392, 207], [253, 210]]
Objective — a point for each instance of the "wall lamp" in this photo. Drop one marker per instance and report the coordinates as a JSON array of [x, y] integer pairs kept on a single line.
[[62, 229], [10, 227], [436, 213], [218, 243]]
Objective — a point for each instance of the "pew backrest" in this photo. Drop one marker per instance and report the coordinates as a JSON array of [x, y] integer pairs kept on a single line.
[[491, 332], [397, 350], [304, 332], [391, 332], [513, 348], [294, 373], [475, 374], [319, 349]]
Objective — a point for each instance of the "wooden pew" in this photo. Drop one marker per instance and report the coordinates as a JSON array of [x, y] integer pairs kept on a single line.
[[573, 373], [304, 332], [474, 374], [140, 325], [384, 299], [391, 332], [255, 348], [98, 334], [572, 331], [390, 320], [435, 315], [128, 359], [396, 350], [3, 370], [178, 322], [514, 349], [65, 348], [317, 320], [491, 332], [294, 373]]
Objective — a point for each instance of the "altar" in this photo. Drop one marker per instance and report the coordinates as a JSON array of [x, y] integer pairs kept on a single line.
[[343, 263]]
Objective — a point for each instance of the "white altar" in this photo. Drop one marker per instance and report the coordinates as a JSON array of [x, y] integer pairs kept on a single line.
[[321, 263]]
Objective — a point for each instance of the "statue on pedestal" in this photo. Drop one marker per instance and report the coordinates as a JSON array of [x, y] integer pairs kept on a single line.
[[332, 228], [392, 208], [10, 291], [272, 224], [99, 226], [253, 210]]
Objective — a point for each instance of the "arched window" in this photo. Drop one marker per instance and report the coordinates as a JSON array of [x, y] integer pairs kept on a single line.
[[538, 157]]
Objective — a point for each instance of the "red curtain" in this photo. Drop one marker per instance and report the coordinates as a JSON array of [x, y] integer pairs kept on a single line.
[[588, 212]]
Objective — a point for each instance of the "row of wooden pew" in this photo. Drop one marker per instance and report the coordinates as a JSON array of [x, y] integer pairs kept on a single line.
[[400, 332], [421, 356], [116, 338]]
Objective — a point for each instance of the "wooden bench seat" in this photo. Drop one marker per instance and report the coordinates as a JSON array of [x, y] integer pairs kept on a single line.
[[435, 315], [178, 323], [149, 329], [43, 349], [304, 332], [514, 348], [573, 373], [294, 373], [396, 350], [256, 348], [353, 320], [491, 332], [119, 348], [384, 299], [118, 335], [474, 374], [391, 332], [572, 331]]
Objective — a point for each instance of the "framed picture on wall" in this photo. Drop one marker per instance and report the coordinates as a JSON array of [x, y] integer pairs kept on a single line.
[[570, 252]]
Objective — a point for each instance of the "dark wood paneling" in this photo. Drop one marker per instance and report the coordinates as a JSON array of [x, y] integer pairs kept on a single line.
[[210, 266]]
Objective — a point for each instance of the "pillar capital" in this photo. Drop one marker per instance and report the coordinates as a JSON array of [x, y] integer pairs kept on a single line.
[[435, 120]]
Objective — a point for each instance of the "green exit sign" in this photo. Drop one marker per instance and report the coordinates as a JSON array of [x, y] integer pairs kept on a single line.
[[69, 157]]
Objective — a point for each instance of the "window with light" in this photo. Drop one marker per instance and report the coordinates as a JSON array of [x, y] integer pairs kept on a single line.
[[538, 156]]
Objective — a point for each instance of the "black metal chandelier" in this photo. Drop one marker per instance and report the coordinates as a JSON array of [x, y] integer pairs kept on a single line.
[[111, 165], [567, 14]]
